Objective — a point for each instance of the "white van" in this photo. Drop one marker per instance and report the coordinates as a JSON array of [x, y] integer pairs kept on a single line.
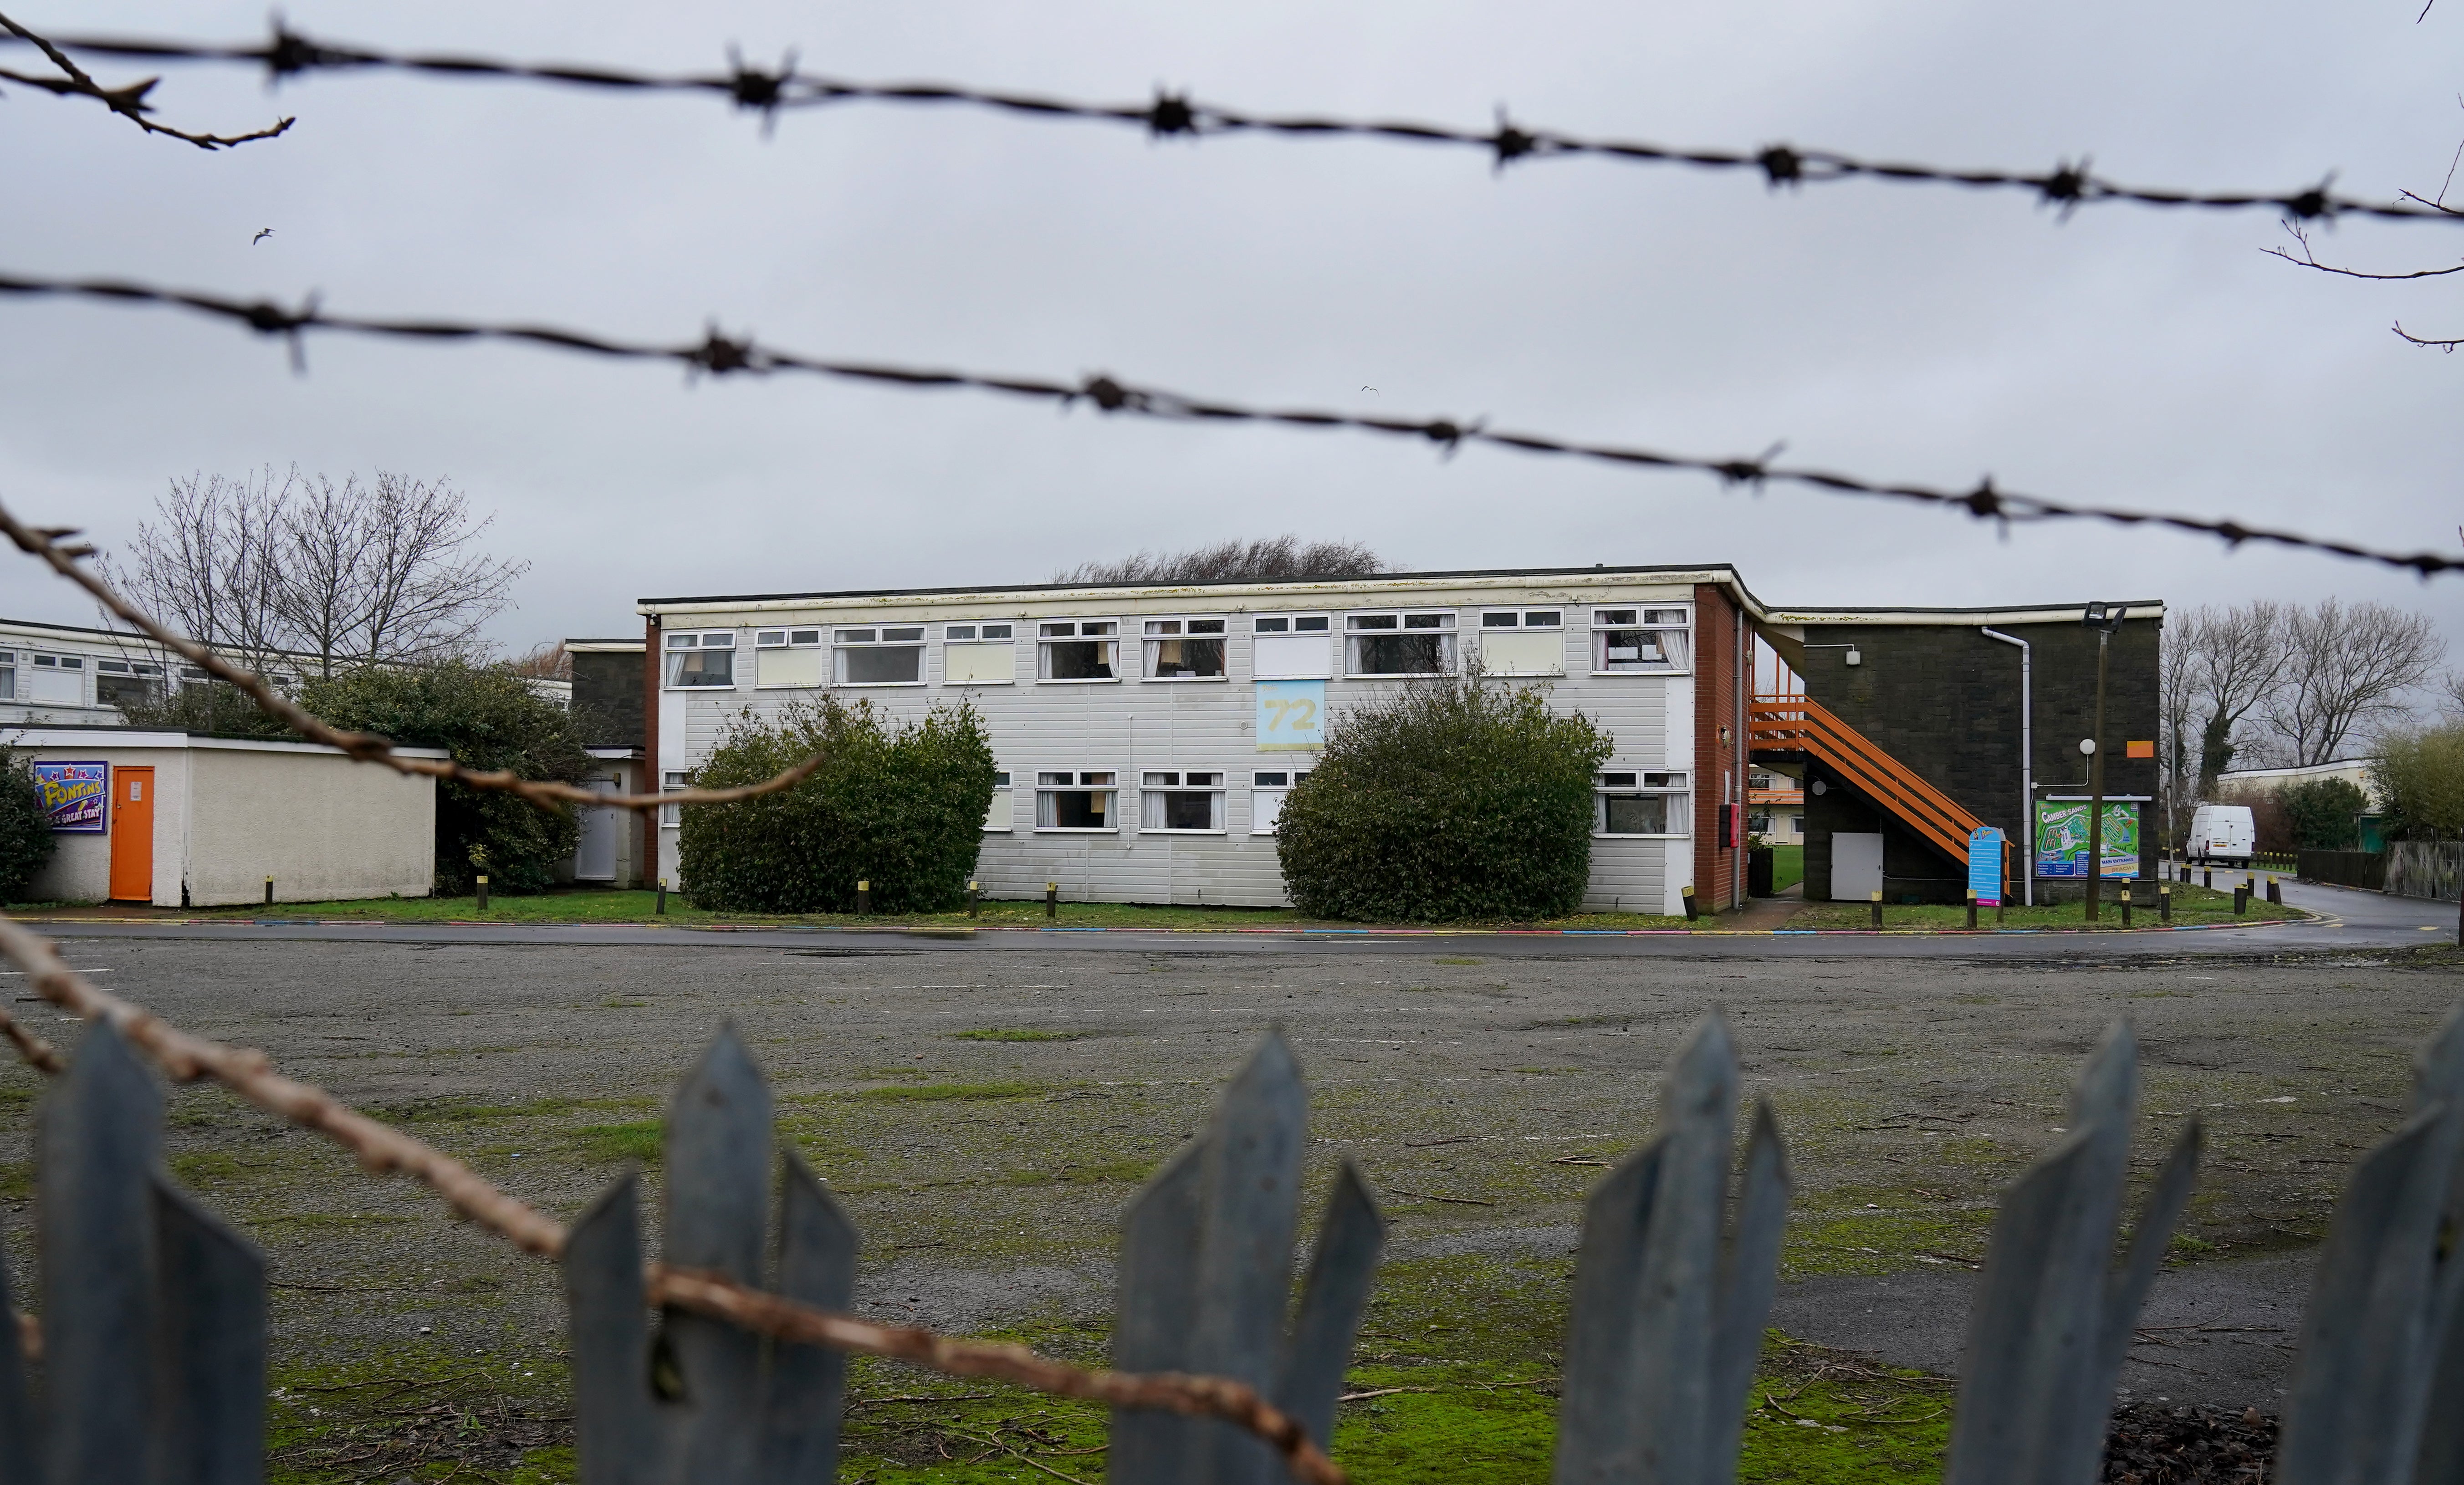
[[2222, 833]]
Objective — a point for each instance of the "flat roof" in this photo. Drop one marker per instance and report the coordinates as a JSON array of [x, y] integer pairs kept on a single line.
[[129, 636], [102, 736], [1999, 613]]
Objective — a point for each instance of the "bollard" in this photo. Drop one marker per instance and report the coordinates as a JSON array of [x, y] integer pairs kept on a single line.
[[2002, 906], [1878, 909], [1971, 910], [973, 887], [269, 891], [663, 895], [483, 891], [1051, 900], [2242, 901], [1691, 912], [2274, 891], [2163, 902], [2125, 908], [863, 897]]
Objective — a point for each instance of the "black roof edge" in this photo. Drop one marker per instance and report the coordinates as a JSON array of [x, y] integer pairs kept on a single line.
[[1981, 608], [1601, 569]]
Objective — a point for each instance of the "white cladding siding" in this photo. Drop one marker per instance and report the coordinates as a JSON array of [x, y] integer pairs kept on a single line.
[[1131, 726]]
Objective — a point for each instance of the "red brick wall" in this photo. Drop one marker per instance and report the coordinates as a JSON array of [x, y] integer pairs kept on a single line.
[[1719, 748]]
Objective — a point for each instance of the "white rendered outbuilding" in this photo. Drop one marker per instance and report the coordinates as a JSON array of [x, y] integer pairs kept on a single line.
[[178, 820]]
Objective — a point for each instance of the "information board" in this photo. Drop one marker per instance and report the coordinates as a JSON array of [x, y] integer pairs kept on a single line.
[[1985, 863], [1291, 716], [2061, 839], [75, 795]]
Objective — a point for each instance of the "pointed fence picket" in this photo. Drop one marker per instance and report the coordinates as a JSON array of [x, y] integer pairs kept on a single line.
[[153, 1312]]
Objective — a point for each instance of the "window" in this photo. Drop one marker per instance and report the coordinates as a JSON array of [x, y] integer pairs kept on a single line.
[[1185, 649], [1758, 823], [1292, 648], [696, 660], [189, 675], [977, 654], [1641, 804], [1065, 800], [1078, 649], [1399, 643], [673, 782], [886, 655], [1268, 788], [1175, 799], [8, 675], [57, 681], [127, 683], [786, 657], [1640, 639], [998, 815], [1522, 641]]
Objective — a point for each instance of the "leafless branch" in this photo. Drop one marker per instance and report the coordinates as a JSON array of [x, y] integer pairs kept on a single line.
[[366, 747], [2309, 259], [129, 102], [382, 1149], [2444, 345]]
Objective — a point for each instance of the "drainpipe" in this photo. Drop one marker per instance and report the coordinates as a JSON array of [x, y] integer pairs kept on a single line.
[[2027, 770], [1737, 857]]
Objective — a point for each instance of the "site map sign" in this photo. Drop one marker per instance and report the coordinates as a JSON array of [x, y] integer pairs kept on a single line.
[[2061, 839], [74, 796]]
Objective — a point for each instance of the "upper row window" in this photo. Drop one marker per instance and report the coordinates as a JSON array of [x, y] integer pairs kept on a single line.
[[1185, 649], [881, 655], [1404, 644], [1640, 639], [1078, 649], [702, 659]]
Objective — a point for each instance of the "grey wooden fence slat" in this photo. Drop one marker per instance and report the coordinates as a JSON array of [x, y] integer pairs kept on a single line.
[[1250, 1185], [717, 1216], [99, 1143], [1319, 1349], [2441, 1080], [2370, 1345], [21, 1449], [615, 1422], [1661, 1307], [2126, 1289], [210, 1414], [2033, 1396], [806, 1383], [1158, 1288], [1749, 1280]]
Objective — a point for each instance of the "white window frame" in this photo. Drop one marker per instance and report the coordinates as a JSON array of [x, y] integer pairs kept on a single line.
[[142, 671], [674, 780], [1521, 620], [679, 643], [1674, 785], [8, 675], [792, 637], [1353, 631], [975, 634], [1601, 627], [1258, 789], [1003, 808], [1044, 785], [1287, 627], [1073, 631], [876, 636], [1169, 781], [1150, 640]]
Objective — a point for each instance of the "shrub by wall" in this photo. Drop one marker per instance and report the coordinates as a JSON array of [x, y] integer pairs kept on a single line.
[[1452, 799], [898, 804], [2420, 773], [2324, 814], [25, 839], [486, 718]]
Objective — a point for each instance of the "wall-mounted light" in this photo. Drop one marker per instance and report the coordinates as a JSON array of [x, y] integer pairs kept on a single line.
[[1819, 787], [1855, 657]]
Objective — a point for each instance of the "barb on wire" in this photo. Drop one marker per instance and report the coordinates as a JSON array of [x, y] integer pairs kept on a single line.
[[380, 1149], [129, 102], [719, 356], [287, 54], [47, 544]]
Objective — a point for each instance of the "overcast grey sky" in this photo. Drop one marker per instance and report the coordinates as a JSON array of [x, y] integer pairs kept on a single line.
[[2147, 357]]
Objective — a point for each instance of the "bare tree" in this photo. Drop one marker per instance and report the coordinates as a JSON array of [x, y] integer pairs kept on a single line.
[[2452, 697], [2236, 660], [2346, 669], [1284, 558], [547, 660], [390, 572]]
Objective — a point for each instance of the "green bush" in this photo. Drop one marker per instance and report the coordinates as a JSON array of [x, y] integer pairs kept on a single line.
[[215, 707], [2420, 775], [1444, 800], [486, 718], [2324, 814], [899, 804], [25, 839]]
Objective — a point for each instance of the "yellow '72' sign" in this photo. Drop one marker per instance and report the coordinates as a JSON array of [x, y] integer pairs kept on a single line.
[[1291, 716]]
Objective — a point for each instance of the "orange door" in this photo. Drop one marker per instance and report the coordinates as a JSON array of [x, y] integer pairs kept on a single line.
[[132, 835]]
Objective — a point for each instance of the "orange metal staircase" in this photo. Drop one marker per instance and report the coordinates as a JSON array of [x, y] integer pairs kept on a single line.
[[1792, 729]]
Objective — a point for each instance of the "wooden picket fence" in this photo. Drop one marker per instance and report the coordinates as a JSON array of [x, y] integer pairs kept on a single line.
[[153, 1332]]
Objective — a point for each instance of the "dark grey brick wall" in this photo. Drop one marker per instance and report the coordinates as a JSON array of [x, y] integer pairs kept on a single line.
[[607, 696], [1944, 701]]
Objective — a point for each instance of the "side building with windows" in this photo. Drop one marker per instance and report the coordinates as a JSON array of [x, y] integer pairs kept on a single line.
[[64, 675], [1147, 735]]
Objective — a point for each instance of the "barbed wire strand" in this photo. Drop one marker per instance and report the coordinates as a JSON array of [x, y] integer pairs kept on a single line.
[[719, 356], [287, 54], [129, 102], [46, 544], [380, 1149]]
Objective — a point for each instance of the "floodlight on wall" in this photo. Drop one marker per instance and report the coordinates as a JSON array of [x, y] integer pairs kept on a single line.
[[2087, 747], [1819, 787], [1855, 657]]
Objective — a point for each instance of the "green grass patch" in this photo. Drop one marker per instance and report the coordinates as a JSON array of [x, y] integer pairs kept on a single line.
[[621, 1004], [1456, 959], [1127, 1170], [2192, 905], [1788, 867], [16, 1179], [429, 1111], [418, 1413], [936, 1092], [328, 1221], [1015, 1033], [643, 1141]]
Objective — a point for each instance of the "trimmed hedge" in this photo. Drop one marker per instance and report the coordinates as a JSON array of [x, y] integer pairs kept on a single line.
[[899, 804], [25, 839], [1451, 799]]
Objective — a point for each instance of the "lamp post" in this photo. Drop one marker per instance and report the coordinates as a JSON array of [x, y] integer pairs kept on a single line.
[[2104, 621]]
